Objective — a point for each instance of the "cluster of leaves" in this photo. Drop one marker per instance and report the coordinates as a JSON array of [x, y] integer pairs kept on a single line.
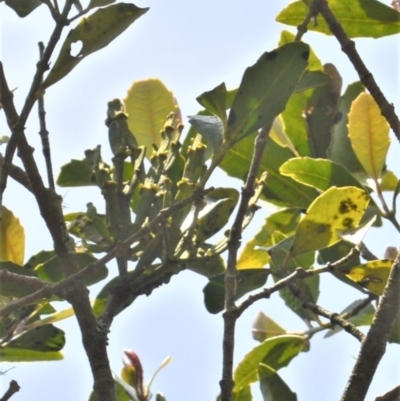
[[323, 162]]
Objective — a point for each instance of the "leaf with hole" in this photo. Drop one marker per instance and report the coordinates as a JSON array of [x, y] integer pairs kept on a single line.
[[94, 32]]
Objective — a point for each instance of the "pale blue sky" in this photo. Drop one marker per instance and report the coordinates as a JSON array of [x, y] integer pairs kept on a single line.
[[191, 46]]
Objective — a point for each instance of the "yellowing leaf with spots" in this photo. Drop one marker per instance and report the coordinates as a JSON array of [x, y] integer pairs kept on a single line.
[[336, 210], [148, 103], [369, 134], [372, 275], [12, 238]]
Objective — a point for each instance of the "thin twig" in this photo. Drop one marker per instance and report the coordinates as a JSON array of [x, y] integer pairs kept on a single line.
[[374, 345], [302, 28], [366, 77], [226, 382], [44, 134]]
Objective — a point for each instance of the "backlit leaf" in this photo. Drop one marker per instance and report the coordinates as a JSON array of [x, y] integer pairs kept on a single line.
[[318, 173], [275, 352], [265, 89], [148, 104], [359, 18], [93, 32], [337, 209], [369, 134], [23, 7], [284, 221], [12, 238], [24, 355], [264, 327], [372, 275], [76, 173]]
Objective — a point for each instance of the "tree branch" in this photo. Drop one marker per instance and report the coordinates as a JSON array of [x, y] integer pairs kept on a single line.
[[366, 77], [12, 389], [374, 345]]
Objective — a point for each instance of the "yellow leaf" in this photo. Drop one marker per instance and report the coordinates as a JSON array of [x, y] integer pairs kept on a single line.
[[336, 210], [12, 238], [389, 181], [369, 134], [148, 103], [372, 275]]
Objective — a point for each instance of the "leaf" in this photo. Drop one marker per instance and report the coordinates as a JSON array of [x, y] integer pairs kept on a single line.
[[217, 216], [11, 289], [340, 150], [24, 355], [372, 275], [12, 238], [273, 388], [278, 189], [215, 101], [264, 327], [247, 280], [363, 318], [337, 209], [275, 352], [285, 221], [148, 104], [318, 173], [359, 18], [211, 127], [42, 338], [243, 394], [76, 173], [94, 32], [369, 134], [23, 7], [311, 79], [265, 89], [51, 269], [321, 111], [389, 181], [100, 3]]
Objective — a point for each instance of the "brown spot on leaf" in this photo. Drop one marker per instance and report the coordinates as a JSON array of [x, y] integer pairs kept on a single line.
[[346, 206], [348, 222], [305, 55]]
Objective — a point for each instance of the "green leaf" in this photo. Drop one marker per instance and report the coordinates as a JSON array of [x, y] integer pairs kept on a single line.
[[76, 173], [265, 89], [278, 189], [51, 269], [264, 327], [369, 134], [318, 173], [337, 209], [275, 352], [94, 32], [23, 7], [285, 221], [340, 150], [217, 216], [211, 127], [148, 104], [208, 266], [273, 388], [42, 338], [321, 112], [12, 289], [247, 280], [243, 394], [215, 101], [100, 3], [359, 18], [311, 79], [24, 355]]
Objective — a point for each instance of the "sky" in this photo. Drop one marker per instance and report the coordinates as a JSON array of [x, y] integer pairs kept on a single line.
[[192, 47]]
